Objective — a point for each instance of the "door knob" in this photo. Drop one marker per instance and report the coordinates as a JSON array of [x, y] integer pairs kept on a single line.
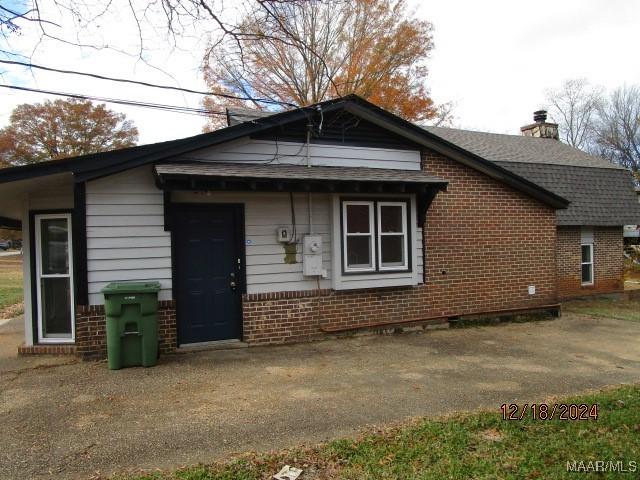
[[232, 284]]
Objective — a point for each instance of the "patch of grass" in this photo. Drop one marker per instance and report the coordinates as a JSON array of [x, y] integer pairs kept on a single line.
[[481, 446], [10, 281], [628, 309]]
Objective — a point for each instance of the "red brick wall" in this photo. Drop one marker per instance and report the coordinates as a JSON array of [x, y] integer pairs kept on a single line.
[[91, 339], [492, 242], [485, 244], [608, 262]]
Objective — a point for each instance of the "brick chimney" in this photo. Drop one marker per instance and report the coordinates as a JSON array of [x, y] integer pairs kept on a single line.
[[541, 128]]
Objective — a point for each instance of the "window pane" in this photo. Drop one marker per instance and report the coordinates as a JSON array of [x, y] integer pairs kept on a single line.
[[392, 250], [391, 218], [358, 219], [359, 252], [55, 246], [586, 253], [56, 307], [586, 273]]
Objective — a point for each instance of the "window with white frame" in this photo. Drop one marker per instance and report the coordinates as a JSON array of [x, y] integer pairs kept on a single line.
[[358, 232], [392, 235], [587, 263], [375, 236]]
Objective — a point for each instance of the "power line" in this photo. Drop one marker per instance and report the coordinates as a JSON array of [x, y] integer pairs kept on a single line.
[[147, 84], [133, 103]]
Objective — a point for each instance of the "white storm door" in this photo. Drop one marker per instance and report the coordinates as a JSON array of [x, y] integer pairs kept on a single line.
[[54, 278]]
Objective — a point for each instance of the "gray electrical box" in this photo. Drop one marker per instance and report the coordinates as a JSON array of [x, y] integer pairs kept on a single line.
[[284, 234], [312, 255]]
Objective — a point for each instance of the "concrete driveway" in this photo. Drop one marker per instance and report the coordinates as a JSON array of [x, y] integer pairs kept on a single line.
[[75, 420]]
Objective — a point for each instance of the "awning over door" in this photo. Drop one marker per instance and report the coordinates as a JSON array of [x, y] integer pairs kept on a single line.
[[268, 177], [298, 178]]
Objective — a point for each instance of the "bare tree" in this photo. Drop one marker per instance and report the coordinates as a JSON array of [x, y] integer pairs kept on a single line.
[[618, 128], [77, 23], [574, 106], [445, 116]]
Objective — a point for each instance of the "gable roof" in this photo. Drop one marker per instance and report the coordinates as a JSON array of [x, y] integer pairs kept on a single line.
[[88, 167], [498, 147], [600, 192]]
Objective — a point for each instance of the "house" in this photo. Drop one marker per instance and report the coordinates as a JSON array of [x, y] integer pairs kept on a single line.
[[590, 229], [329, 218]]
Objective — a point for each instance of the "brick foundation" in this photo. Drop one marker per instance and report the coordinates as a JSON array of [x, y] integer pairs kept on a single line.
[[47, 349], [91, 340], [608, 262]]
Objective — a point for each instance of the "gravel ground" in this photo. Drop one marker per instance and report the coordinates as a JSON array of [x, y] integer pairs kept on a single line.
[[80, 419]]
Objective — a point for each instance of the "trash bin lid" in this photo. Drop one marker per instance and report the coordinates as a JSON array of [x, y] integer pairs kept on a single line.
[[131, 287]]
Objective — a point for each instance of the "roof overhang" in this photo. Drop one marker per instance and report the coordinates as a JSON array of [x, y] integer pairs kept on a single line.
[[297, 178], [13, 195]]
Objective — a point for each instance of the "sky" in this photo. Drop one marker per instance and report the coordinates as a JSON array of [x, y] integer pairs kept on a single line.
[[493, 59]]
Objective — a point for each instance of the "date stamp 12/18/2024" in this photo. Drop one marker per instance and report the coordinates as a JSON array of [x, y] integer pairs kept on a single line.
[[549, 411]]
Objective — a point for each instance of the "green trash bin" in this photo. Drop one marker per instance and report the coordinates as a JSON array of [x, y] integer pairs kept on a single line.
[[131, 310]]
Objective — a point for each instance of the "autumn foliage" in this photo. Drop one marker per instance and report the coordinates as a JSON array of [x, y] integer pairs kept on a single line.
[[60, 129], [306, 52]]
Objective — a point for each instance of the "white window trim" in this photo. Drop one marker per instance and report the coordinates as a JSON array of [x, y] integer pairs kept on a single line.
[[38, 255], [405, 264], [340, 280], [371, 236], [593, 268]]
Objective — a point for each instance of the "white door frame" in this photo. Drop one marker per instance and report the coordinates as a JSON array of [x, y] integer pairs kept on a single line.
[[39, 276]]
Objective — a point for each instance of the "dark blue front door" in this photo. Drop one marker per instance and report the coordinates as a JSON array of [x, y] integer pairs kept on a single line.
[[207, 263]]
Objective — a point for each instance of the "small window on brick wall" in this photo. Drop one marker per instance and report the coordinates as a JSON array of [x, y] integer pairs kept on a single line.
[[587, 263], [375, 236]]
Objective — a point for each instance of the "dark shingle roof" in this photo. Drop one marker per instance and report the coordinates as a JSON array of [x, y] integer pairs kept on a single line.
[[297, 172], [601, 193], [599, 196], [519, 148]]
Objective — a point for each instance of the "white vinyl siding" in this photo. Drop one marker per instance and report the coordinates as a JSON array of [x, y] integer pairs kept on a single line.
[[262, 151], [267, 270], [126, 240]]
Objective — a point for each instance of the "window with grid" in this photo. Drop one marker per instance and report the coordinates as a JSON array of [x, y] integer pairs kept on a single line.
[[375, 236]]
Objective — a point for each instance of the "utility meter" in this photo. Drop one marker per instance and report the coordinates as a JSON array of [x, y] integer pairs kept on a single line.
[[312, 255]]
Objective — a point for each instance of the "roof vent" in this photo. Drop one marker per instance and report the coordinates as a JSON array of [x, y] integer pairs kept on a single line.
[[238, 115], [540, 116]]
